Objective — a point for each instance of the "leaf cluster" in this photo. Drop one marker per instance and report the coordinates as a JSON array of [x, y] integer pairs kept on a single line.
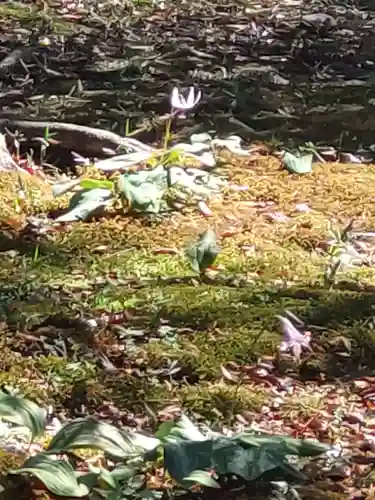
[[188, 456]]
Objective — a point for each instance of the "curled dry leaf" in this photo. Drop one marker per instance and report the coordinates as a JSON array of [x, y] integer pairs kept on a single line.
[[228, 375], [277, 217], [229, 232], [165, 251], [349, 158]]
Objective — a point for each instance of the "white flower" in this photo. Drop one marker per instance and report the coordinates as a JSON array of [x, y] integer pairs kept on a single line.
[[292, 337], [178, 101]]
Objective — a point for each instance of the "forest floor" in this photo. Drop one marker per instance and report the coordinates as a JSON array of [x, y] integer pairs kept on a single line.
[[168, 341]]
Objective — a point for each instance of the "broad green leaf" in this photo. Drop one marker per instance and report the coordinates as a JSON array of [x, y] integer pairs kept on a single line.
[[286, 444], [195, 181], [89, 479], [97, 476], [124, 472], [90, 433], [298, 164], [146, 197], [62, 187], [290, 473], [184, 457], [104, 476], [107, 478], [85, 204], [164, 429], [249, 439], [146, 443], [198, 150], [202, 477], [24, 412], [250, 464], [157, 175], [95, 184], [249, 457], [203, 253], [57, 475], [123, 162], [186, 429]]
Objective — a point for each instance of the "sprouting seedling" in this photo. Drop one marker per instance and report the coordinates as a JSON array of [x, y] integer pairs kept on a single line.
[[21, 194], [127, 127], [36, 254], [203, 253], [311, 148], [45, 143], [341, 252], [340, 237]]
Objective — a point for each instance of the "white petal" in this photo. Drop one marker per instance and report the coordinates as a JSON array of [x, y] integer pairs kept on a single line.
[[175, 98], [190, 101]]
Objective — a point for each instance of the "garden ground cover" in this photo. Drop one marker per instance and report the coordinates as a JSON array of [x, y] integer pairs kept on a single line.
[[159, 316]]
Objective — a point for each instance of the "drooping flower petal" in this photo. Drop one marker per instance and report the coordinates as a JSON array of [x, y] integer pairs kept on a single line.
[[175, 98], [292, 337]]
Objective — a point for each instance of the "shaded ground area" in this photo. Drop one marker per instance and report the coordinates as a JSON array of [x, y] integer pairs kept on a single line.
[[300, 71]]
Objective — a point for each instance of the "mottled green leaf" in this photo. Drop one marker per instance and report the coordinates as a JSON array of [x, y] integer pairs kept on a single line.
[[286, 444], [142, 197], [85, 204], [298, 164], [90, 433], [62, 187], [203, 253], [203, 478], [57, 475], [185, 429], [23, 412]]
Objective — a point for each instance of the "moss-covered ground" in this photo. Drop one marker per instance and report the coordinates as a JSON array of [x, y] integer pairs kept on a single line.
[[120, 265]]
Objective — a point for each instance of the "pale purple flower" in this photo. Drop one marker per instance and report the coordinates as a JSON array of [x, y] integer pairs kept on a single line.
[[303, 207], [182, 103], [293, 339], [277, 217]]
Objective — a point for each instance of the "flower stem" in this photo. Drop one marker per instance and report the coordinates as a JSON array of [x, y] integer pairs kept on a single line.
[[167, 134]]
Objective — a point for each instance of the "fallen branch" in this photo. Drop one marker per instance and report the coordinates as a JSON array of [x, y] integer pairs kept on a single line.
[[84, 140]]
